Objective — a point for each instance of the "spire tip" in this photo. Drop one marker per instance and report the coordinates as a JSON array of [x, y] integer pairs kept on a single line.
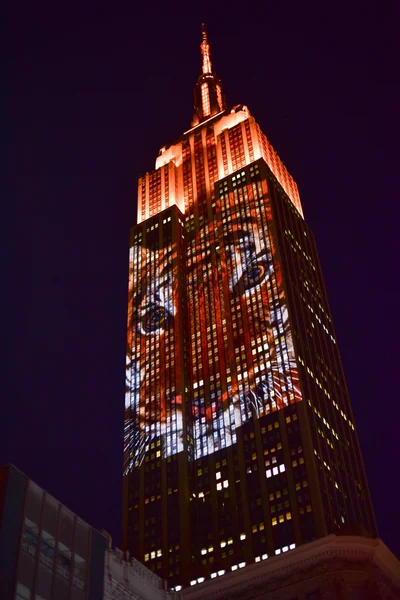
[[205, 50]]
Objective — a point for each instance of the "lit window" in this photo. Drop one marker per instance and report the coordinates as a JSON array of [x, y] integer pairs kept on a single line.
[[30, 537], [205, 99]]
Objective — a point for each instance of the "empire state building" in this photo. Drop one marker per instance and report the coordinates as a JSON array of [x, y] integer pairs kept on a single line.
[[240, 440]]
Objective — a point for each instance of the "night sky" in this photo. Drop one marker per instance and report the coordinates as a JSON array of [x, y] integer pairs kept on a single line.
[[93, 91]]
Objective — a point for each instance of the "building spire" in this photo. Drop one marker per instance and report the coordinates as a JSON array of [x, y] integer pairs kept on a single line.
[[205, 50], [208, 95]]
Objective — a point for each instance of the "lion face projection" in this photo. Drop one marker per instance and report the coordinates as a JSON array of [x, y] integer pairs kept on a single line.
[[240, 350], [153, 409], [254, 344]]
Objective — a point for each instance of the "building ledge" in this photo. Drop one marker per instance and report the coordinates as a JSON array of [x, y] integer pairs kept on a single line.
[[329, 554]]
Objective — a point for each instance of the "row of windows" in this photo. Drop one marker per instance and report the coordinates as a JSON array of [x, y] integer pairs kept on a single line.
[[67, 564], [279, 170]]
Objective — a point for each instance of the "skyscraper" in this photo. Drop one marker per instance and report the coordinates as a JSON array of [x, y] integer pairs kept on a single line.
[[239, 434]]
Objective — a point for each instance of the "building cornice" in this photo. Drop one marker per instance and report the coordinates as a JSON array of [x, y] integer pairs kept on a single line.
[[350, 549], [130, 579]]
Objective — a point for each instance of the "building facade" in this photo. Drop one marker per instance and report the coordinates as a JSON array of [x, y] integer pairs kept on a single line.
[[49, 553], [46, 551], [240, 440]]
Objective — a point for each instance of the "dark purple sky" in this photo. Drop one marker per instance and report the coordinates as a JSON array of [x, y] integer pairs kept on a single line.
[[94, 92]]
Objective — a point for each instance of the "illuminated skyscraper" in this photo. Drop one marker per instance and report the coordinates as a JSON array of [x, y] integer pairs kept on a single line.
[[239, 435]]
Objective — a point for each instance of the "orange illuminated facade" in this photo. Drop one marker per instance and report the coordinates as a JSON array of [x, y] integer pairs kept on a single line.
[[239, 434]]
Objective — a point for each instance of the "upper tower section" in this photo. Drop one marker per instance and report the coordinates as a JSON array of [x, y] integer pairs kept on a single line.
[[209, 99], [218, 143]]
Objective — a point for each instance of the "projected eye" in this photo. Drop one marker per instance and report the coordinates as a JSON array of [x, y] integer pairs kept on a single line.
[[155, 318], [254, 275]]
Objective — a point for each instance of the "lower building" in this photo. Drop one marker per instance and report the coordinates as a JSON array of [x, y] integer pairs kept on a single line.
[[330, 568], [46, 551]]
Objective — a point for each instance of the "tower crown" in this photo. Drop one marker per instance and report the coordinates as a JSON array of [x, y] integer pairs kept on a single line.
[[209, 99]]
